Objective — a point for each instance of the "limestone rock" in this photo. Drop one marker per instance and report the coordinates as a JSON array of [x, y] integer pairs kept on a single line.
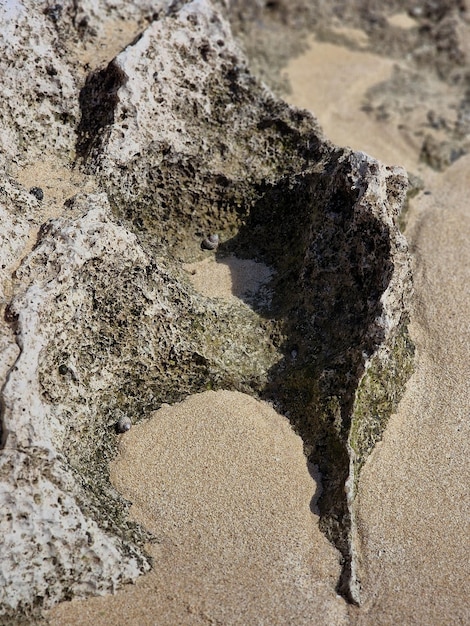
[[186, 142], [182, 136], [183, 141], [31, 56], [102, 330], [50, 549], [41, 47], [18, 210]]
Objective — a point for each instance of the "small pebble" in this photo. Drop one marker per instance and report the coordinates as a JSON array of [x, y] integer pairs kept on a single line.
[[37, 192], [210, 243], [124, 424]]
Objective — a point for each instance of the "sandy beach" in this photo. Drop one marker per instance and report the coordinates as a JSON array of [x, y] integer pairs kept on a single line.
[[222, 481]]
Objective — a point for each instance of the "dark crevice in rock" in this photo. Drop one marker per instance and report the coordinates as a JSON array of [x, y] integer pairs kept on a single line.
[[98, 99]]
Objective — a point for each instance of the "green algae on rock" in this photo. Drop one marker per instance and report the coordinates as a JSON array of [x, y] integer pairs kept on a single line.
[[378, 394]]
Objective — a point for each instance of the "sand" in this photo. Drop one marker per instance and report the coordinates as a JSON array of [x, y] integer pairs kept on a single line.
[[231, 278], [331, 81], [222, 482], [221, 478]]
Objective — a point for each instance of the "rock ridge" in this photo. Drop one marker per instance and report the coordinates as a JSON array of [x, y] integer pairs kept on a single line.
[[183, 141]]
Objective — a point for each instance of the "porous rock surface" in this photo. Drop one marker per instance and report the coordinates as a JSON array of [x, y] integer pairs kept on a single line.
[[183, 141], [41, 44]]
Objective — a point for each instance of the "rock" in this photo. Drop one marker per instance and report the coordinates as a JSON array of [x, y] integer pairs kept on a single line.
[[96, 322], [50, 549], [211, 149], [183, 141], [31, 56], [17, 211], [223, 132], [430, 43], [53, 549], [42, 47]]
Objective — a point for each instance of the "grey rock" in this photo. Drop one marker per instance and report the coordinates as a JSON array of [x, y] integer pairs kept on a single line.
[[183, 141], [41, 49], [101, 329], [427, 93], [29, 47], [50, 549], [210, 243], [37, 192], [19, 213], [56, 541], [181, 98], [123, 424]]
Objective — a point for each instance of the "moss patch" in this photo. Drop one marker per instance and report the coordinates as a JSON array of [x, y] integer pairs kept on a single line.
[[378, 395]]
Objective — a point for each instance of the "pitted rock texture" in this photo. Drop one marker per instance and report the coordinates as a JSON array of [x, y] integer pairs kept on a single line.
[[48, 109], [58, 550], [183, 142], [182, 136], [50, 549], [218, 153], [18, 212], [41, 47], [102, 331]]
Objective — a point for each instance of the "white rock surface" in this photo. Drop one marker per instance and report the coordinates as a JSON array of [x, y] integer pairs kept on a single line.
[[40, 46], [67, 247], [52, 549], [16, 206], [172, 62], [31, 56]]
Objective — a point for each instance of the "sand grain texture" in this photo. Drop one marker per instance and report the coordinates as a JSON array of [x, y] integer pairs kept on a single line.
[[222, 481], [230, 278]]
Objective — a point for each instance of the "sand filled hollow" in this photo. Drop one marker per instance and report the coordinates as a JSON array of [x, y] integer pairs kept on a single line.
[[222, 482]]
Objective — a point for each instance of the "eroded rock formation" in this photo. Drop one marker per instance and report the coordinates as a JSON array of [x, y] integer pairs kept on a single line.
[[182, 141]]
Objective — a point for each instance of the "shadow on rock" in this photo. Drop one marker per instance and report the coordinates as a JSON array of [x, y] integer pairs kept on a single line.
[[332, 258]]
